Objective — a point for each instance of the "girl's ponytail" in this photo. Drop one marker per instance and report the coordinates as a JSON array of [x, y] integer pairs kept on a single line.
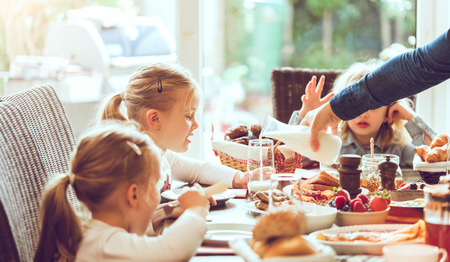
[[111, 108], [60, 229]]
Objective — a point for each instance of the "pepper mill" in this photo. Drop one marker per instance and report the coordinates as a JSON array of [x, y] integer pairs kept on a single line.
[[388, 170], [349, 174]]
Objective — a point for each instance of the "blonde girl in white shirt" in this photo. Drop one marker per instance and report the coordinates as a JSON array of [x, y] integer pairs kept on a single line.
[[164, 99], [114, 172]]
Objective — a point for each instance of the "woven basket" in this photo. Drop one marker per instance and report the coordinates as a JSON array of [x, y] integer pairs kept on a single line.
[[282, 165]]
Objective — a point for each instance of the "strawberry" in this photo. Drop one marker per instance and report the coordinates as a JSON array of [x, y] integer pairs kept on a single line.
[[354, 201], [359, 207], [377, 203], [339, 202], [363, 198], [344, 193]]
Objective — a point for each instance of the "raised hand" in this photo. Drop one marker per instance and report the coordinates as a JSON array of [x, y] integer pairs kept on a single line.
[[311, 99]]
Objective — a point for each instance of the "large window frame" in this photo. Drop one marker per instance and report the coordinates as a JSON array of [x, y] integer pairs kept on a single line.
[[433, 104], [432, 20]]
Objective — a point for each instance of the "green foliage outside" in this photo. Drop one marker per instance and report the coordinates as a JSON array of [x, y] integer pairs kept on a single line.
[[354, 33]]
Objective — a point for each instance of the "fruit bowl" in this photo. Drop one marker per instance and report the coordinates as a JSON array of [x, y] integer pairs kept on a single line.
[[347, 218]]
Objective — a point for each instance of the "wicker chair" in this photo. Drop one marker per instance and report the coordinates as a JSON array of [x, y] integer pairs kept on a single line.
[[36, 141], [288, 86]]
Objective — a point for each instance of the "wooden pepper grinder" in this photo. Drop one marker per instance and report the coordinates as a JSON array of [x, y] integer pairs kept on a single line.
[[349, 174], [388, 171]]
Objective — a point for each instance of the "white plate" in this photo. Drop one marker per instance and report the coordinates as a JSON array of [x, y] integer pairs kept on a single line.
[[252, 208], [219, 234], [243, 249], [220, 198], [359, 247]]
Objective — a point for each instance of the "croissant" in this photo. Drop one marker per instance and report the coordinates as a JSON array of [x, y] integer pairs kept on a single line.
[[422, 151], [439, 140], [436, 154]]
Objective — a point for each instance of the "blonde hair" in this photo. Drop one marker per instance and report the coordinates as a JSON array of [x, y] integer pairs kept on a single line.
[[106, 158], [390, 133], [152, 86]]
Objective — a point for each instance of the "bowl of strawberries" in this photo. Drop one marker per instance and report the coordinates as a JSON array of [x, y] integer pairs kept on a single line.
[[361, 210]]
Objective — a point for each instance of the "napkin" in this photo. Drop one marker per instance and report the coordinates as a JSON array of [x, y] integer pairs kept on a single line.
[[420, 165], [240, 151], [240, 193]]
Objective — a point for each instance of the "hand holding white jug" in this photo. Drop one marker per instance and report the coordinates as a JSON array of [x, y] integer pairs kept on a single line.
[[297, 138]]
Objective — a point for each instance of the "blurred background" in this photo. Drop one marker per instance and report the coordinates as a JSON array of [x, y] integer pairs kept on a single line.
[[88, 49]]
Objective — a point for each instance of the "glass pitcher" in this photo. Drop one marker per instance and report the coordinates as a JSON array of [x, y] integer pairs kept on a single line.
[[437, 215]]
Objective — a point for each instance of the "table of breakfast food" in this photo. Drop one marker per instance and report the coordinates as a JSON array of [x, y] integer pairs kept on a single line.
[[242, 230]]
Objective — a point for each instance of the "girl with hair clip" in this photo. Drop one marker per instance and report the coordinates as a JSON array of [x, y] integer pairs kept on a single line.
[[114, 173], [397, 129], [164, 100]]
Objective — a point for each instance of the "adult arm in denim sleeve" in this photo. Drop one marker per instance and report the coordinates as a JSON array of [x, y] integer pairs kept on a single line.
[[400, 77]]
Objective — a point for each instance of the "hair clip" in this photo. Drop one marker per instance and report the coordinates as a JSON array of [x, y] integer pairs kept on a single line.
[[159, 85], [135, 148]]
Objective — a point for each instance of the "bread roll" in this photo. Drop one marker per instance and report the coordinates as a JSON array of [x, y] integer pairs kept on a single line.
[[290, 246], [439, 141], [283, 222], [323, 178], [422, 151], [437, 154]]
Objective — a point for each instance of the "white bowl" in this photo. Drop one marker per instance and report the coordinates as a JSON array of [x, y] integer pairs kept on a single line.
[[318, 217], [347, 218]]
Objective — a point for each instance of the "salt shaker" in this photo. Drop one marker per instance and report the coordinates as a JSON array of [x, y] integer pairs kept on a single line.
[[388, 170]]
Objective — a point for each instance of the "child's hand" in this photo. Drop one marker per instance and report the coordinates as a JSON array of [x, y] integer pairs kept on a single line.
[[266, 172], [311, 99], [399, 111], [194, 198], [240, 180]]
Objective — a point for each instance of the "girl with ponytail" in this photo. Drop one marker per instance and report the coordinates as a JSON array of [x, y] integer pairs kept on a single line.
[[114, 173], [164, 99]]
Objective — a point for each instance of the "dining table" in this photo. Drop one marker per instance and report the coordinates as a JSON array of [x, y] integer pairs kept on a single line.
[[235, 211]]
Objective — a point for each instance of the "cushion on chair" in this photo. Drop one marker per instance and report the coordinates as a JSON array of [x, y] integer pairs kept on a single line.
[[36, 141], [288, 86]]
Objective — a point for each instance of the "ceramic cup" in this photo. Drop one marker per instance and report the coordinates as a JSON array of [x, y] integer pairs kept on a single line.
[[414, 253]]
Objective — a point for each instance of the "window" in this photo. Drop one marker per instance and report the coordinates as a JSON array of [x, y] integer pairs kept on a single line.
[[245, 39]]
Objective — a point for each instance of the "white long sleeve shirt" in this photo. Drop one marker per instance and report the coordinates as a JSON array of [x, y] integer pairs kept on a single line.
[[179, 167], [179, 242]]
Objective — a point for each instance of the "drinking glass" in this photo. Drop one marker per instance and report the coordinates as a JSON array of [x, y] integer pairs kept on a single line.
[[285, 191], [437, 215], [260, 165]]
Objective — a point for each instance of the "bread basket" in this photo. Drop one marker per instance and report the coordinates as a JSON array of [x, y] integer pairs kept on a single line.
[[234, 155]]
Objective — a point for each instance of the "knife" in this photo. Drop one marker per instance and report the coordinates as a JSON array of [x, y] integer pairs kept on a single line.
[[166, 210]]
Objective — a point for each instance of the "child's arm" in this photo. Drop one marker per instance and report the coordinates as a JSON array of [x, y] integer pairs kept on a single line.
[[397, 110], [311, 99]]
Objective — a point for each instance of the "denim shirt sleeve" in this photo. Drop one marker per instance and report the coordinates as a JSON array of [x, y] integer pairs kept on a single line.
[[295, 118], [400, 77], [417, 128]]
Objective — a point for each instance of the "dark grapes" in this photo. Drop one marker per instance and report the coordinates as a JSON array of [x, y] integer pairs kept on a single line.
[[413, 186]]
